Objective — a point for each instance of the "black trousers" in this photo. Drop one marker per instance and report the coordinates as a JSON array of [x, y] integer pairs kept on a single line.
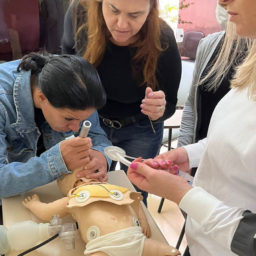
[[186, 253]]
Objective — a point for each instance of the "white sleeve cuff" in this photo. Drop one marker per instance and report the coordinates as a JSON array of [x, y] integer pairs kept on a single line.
[[195, 152], [199, 204]]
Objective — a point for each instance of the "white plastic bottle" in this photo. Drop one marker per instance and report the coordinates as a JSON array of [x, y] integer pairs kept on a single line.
[[23, 235]]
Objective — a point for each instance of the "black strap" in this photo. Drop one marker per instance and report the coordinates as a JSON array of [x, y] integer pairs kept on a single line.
[[244, 241]]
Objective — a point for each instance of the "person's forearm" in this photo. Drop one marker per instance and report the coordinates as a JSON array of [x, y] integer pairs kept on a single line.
[[216, 219], [186, 133], [195, 152], [18, 177], [182, 187]]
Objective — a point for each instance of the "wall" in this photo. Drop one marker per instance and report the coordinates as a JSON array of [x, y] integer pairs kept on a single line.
[[202, 15]]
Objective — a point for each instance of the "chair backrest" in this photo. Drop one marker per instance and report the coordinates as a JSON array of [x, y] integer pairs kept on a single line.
[[29, 26], [190, 43], [19, 29], [52, 14]]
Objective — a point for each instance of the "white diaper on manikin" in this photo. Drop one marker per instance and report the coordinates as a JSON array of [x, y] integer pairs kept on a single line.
[[125, 242]]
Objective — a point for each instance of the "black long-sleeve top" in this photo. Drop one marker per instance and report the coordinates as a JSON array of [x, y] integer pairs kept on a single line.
[[124, 92]]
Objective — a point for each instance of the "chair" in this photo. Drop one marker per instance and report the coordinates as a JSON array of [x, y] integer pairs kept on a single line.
[[190, 42], [30, 26], [52, 14], [19, 30]]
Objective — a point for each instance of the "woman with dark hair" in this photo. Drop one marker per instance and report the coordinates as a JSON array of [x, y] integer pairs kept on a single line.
[[137, 58], [43, 100]]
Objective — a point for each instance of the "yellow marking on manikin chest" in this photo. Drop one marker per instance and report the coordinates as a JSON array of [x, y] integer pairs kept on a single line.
[[99, 190]]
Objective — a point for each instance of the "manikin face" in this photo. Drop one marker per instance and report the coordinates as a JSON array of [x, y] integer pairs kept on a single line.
[[243, 14], [124, 19], [60, 119]]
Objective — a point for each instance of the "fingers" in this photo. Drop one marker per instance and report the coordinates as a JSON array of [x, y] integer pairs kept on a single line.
[[141, 168], [154, 103], [158, 99], [96, 168], [75, 152], [99, 175], [162, 164], [79, 142]]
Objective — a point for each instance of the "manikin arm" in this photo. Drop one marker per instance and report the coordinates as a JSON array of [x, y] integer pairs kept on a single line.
[[45, 211]]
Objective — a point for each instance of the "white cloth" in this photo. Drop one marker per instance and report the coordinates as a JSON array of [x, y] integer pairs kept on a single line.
[[125, 242], [195, 152], [225, 182]]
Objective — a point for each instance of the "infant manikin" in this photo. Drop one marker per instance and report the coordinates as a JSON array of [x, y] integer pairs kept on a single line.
[[110, 218]]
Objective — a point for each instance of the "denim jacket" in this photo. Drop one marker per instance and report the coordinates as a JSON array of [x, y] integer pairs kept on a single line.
[[20, 168]]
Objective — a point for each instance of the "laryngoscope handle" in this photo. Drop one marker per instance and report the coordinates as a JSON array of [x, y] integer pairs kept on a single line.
[[85, 129]]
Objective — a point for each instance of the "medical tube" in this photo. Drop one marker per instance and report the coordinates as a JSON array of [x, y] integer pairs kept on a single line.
[[85, 129]]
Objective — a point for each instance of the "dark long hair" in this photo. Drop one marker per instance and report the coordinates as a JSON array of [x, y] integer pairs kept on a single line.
[[67, 81]]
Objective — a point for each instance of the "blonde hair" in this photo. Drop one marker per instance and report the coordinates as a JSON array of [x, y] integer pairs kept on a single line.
[[232, 51], [147, 47], [245, 75]]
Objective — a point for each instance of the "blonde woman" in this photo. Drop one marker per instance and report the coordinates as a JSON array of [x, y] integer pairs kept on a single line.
[[220, 206], [211, 80]]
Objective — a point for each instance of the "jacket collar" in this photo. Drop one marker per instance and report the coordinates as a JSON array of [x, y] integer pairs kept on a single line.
[[23, 102]]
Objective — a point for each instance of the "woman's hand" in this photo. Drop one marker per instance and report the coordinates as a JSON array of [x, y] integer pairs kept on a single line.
[[96, 167], [153, 105], [158, 182], [75, 152], [167, 161]]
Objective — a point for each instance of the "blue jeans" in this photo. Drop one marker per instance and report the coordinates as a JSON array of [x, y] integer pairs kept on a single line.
[[1, 215], [137, 139]]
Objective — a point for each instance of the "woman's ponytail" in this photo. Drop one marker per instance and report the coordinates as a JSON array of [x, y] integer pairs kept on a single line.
[[34, 62]]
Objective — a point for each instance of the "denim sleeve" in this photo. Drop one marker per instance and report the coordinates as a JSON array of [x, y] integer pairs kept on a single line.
[[98, 136], [18, 177], [244, 240]]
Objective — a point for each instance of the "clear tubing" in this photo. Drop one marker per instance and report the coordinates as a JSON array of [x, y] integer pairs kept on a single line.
[[123, 160]]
